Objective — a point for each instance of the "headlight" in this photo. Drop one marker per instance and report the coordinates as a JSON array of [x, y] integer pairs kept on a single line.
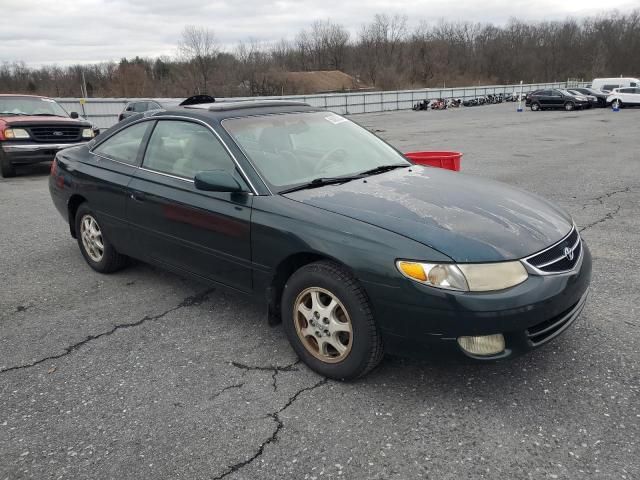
[[466, 277], [11, 133], [87, 133]]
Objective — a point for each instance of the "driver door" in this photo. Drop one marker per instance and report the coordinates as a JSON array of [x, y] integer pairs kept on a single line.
[[203, 233]]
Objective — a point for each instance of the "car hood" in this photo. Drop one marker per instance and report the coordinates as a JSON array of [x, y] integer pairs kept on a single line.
[[30, 119], [469, 219]]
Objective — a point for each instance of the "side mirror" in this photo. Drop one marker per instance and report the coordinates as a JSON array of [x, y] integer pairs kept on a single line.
[[216, 181], [74, 115]]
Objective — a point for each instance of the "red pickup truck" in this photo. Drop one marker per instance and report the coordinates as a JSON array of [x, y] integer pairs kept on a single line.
[[33, 129]]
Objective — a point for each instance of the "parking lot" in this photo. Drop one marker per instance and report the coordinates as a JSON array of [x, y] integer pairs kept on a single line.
[[143, 374]]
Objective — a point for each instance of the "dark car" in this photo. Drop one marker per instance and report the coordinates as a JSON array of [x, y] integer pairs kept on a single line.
[[600, 96], [355, 249], [33, 129], [145, 105], [555, 98]]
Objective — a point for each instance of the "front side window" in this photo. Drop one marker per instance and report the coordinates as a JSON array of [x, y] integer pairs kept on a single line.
[[124, 145], [295, 148], [185, 148], [140, 107]]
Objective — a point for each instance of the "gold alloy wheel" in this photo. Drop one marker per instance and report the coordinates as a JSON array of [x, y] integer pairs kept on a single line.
[[92, 238], [323, 325]]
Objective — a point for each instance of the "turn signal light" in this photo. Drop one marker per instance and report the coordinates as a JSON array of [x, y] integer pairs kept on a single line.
[[413, 270]]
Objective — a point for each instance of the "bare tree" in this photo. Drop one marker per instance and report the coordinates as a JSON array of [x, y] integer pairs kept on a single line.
[[386, 54], [199, 49]]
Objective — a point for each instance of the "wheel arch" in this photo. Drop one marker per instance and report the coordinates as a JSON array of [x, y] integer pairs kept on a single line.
[[283, 272], [72, 206]]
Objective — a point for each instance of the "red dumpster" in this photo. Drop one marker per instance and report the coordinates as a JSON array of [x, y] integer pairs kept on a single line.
[[448, 160]]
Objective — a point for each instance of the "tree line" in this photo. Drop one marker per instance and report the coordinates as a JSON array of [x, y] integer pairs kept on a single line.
[[386, 53]]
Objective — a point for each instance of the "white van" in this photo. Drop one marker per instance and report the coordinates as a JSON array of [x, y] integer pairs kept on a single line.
[[608, 84]]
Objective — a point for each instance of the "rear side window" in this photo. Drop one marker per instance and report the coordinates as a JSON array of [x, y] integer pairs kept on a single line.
[[184, 148], [124, 145], [608, 88]]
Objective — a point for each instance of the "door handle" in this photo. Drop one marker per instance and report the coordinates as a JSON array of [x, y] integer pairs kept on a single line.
[[138, 196]]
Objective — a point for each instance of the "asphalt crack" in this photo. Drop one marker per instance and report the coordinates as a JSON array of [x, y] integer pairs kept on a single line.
[[600, 199], [608, 216], [190, 301], [275, 369], [275, 416], [225, 389]]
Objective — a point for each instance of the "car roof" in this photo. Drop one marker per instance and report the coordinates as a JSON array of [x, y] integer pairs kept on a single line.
[[221, 110], [246, 104]]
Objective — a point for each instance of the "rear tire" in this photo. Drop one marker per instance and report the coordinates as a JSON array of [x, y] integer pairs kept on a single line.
[[315, 329], [96, 248], [6, 167], [569, 106]]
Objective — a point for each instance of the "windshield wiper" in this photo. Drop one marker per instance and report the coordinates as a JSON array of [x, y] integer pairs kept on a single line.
[[46, 115], [13, 113], [384, 168], [321, 182]]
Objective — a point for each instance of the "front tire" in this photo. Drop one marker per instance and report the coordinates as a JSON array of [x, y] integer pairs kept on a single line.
[[6, 167], [96, 248], [328, 320], [535, 107], [569, 106]]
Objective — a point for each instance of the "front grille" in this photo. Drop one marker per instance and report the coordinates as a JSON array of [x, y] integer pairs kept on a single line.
[[549, 329], [561, 257], [55, 133]]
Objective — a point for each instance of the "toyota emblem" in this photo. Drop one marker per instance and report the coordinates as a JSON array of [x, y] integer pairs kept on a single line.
[[568, 253]]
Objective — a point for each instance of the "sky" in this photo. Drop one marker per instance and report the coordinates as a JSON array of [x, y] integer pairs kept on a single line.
[[42, 32]]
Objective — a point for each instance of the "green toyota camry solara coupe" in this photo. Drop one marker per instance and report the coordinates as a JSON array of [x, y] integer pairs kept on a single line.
[[356, 250]]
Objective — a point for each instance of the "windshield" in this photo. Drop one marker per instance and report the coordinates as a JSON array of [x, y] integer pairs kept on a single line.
[[30, 106], [295, 148]]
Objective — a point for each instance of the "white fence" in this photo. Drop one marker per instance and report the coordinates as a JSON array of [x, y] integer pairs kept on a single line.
[[104, 111]]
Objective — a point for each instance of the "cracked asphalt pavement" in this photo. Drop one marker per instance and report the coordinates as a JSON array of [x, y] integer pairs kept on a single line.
[[143, 374]]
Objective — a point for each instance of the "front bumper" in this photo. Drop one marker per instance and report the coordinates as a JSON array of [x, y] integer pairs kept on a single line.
[[26, 153], [414, 317]]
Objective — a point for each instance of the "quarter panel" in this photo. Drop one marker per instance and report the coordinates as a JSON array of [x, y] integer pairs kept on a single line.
[[104, 184]]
